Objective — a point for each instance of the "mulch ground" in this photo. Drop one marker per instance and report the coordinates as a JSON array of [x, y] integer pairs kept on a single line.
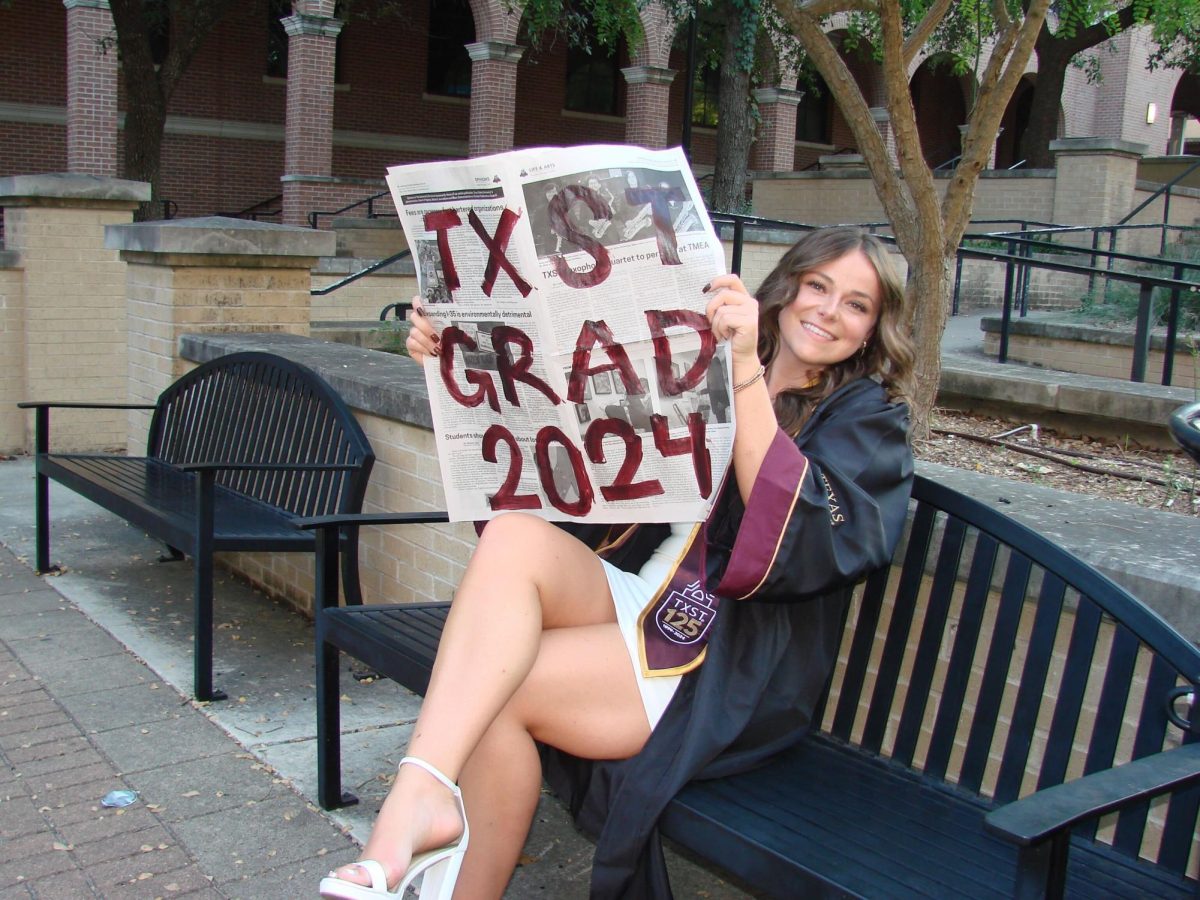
[[1155, 479]]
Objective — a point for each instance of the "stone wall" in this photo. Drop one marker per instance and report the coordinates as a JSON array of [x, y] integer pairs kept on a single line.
[[829, 198]]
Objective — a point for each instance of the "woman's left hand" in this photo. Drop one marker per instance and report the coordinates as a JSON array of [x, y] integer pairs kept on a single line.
[[733, 314]]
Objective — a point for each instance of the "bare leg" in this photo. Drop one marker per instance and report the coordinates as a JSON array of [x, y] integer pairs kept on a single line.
[[526, 581]]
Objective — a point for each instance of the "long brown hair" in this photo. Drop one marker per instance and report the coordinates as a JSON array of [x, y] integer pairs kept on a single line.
[[889, 354]]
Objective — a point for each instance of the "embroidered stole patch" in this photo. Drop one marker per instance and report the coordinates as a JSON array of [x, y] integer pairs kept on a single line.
[[674, 627]]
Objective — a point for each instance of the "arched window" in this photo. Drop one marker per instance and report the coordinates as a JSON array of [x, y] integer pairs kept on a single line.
[[813, 113], [448, 66]]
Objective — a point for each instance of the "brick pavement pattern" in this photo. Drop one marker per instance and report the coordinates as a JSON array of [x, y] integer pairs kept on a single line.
[[81, 716]]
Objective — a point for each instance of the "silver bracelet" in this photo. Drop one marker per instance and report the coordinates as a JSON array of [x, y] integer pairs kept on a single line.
[[762, 370]]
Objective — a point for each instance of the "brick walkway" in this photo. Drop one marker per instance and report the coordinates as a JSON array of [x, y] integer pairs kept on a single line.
[[81, 716]]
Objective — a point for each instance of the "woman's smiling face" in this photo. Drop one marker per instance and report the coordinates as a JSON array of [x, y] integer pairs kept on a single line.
[[831, 318]]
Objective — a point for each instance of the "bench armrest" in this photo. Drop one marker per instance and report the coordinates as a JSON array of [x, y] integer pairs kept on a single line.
[[41, 417], [409, 518], [267, 467], [1039, 816], [55, 404]]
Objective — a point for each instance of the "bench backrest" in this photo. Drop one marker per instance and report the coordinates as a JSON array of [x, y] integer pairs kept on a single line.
[[992, 660], [258, 407]]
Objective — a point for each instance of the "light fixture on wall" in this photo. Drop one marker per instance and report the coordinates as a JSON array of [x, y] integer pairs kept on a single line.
[[1151, 113]]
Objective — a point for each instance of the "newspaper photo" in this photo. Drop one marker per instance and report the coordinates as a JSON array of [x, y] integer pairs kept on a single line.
[[578, 378]]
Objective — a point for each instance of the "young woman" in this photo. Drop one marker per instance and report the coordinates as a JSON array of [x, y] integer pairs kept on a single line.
[[541, 645]]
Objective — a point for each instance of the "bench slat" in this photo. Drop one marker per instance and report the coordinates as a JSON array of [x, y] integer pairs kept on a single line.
[[162, 500]]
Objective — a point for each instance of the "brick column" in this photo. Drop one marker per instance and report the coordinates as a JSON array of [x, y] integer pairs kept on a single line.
[[774, 148], [493, 95], [208, 275], [72, 296], [1095, 181], [308, 141], [91, 89], [647, 105]]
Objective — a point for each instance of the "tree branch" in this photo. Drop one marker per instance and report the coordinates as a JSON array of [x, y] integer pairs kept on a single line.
[[1000, 14], [807, 28], [820, 8], [1003, 72], [917, 177], [924, 29], [1096, 33]]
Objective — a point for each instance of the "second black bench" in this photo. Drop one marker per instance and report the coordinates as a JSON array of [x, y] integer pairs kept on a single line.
[[1003, 721], [238, 449]]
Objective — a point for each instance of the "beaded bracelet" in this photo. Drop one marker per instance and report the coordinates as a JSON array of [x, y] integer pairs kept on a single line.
[[762, 370]]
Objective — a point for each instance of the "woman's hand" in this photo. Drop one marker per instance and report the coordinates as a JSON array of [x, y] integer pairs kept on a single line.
[[422, 340], [733, 315]]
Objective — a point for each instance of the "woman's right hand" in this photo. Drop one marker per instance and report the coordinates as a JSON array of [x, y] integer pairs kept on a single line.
[[422, 340]]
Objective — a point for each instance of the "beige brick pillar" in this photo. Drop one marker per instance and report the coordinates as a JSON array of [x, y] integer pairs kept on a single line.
[[213, 274], [91, 89], [774, 148], [12, 353], [647, 105], [1095, 179], [493, 96], [308, 132], [72, 300]]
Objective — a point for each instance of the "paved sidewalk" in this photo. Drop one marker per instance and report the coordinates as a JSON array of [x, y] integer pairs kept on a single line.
[[80, 716]]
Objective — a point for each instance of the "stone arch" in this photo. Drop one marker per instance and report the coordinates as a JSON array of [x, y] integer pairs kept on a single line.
[[940, 100], [496, 21], [658, 34], [1185, 116]]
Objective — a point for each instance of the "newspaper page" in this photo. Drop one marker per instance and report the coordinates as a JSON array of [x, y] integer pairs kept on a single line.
[[578, 379]]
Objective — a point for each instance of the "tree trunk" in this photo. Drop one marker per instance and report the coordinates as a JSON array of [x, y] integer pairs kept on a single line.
[[735, 123], [928, 293], [145, 122], [1043, 111]]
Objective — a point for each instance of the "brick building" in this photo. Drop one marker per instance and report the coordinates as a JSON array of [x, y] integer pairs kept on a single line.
[[286, 107]]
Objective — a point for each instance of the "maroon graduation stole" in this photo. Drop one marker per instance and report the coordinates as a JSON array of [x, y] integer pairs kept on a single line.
[[674, 627]]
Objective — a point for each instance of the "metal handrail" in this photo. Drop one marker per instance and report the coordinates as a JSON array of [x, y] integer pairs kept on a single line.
[[313, 217], [250, 212], [361, 273], [1163, 189], [1023, 262]]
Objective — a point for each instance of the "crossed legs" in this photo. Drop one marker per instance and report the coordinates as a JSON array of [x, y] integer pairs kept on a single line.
[[531, 651]]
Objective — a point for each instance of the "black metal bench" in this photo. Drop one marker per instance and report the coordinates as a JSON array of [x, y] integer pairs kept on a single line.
[[1003, 721], [1185, 429], [238, 449]]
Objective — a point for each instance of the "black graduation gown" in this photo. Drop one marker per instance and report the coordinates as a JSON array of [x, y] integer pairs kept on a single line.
[[827, 509]]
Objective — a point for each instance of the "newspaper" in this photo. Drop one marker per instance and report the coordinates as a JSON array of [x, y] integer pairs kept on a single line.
[[577, 378]]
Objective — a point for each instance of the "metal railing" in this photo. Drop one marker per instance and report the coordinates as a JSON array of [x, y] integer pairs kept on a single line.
[[255, 211], [1165, 192], [315, 216], [1018, 262], [363, 273], [1017, 259]]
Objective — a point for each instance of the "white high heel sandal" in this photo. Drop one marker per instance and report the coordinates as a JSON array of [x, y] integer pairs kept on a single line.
[[437, 869]]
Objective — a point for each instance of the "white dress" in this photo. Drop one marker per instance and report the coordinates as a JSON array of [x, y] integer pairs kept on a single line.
[[631, 592]]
